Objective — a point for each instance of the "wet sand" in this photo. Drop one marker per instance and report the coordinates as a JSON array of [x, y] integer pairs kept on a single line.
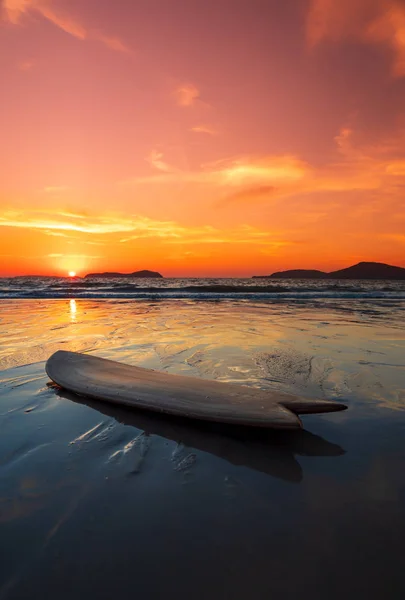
[[104, 502]]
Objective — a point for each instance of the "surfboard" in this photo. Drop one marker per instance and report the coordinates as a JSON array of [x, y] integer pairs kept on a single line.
[[180, 395]]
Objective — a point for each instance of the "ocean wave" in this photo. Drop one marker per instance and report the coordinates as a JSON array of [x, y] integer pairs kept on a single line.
[[242, 289], [182, 294]]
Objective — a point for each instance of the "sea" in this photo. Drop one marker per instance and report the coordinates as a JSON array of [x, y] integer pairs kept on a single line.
[[273, 290]]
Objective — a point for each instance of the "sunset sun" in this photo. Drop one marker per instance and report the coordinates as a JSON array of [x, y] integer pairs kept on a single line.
[[72, 273]]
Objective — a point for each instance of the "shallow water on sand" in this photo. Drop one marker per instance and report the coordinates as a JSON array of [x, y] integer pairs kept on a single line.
[[105, 502]]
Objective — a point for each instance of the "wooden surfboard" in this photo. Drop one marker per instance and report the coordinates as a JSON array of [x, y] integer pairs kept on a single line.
[[180, 395]]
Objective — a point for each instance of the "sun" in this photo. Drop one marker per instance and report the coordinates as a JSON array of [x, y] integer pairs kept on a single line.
[[72, 273]]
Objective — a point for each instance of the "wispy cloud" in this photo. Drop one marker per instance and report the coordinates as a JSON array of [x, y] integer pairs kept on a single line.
[[343, 141], [15, 10], [270, 178], [389, 28], [155, 159], [61, 20], [138, 227], [369, 22], [52, 221], [112, 42], [260, 192], [204, 129], [55, 233], [397, 167], [176, 234], [237, 172], [86, 256], [262, 170], [187, 94]]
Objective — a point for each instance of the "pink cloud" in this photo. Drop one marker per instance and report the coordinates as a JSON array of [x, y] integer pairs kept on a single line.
[[15, 10], [389, 28], [372, 22], [204, 129], [187, 94], [155, 159]]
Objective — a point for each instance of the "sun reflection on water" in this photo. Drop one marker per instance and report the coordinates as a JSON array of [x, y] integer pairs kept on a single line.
[[73, 309]]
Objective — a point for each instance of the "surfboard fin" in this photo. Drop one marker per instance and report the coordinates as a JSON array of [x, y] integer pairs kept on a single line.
[[305, 406]]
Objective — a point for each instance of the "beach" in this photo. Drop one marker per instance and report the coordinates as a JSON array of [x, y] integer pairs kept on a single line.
[[106, 502]]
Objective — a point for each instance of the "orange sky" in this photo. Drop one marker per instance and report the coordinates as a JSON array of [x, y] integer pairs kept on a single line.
[[201, 138]]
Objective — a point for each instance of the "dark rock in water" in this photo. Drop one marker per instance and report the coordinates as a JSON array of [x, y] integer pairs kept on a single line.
[[363, 270], [136, 274], [296, 274]]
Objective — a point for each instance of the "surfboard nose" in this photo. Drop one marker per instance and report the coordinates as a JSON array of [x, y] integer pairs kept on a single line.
[[305, 406]]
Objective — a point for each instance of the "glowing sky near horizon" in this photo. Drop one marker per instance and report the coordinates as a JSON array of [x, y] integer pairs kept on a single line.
[[215, 137]]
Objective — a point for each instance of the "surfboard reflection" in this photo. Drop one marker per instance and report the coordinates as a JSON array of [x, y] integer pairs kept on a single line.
[[268, 451]]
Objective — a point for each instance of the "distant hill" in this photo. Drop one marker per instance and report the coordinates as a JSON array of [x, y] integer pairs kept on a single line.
[[295, 274], [363, 270], [369, 270], [135, 274]]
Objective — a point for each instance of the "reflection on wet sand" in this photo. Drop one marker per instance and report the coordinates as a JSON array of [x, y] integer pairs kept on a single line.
[[270, 452], [73, 310], [319, 353]]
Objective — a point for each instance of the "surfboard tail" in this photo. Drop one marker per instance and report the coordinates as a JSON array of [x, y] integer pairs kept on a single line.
[[283, 418]]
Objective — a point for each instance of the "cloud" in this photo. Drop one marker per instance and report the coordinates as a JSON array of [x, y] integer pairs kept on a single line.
[[359, 168], [55, 233], [155, 160], [138, 227], [113, 42], [63, 21], [381, 22], [344, 141], [253, 193], [237, 172], [15, 10], [187, 94], [396, 168], [242, 234], [263, 170], [87, 256], [328, 19], [54, 221], [389, 28], [204, 129], [71, 215], [246, 180]]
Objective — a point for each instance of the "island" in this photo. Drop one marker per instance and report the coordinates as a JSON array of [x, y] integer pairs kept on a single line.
[[369, 270], [296, 274], [136, 274], [362, 270]]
